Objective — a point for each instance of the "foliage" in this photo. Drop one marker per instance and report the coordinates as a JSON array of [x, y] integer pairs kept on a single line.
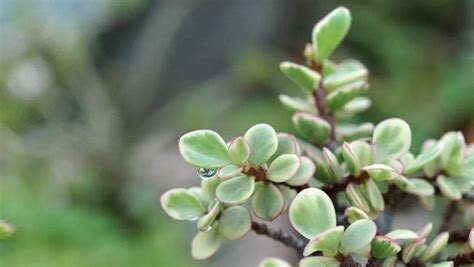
[[358, 172]]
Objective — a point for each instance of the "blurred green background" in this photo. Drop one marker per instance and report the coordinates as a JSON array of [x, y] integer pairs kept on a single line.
[[95, 93]]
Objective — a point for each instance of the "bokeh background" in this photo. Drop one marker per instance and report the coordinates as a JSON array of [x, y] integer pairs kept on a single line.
[[94, 95]]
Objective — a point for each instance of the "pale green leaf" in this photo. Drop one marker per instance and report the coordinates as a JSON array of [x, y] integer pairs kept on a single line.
[[327, 242], [435, 247], [304, 174], [234, 222], [205, 244], [313, 128], [424, 158], [392, 138], [346, 72], [341, 96], [274, 262], [305, 77], [297, 104], [381, 172], [283, 168], [353, 214], [204, 148], [239, 150], [452, 156], [358, 235], [263, 143], [448, 187], [351, 159], [228, 172], [420, 187], [383, 247], [236, 190], [180, 204], [402, 234], [268, 202], [319, 261]]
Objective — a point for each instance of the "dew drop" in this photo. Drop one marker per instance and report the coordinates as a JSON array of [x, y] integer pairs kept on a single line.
[[206, 173]]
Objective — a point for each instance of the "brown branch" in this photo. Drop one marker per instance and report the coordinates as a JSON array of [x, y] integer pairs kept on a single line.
[[371, 262], [459, 235], [462, 259], [280, 236], [449, 212]]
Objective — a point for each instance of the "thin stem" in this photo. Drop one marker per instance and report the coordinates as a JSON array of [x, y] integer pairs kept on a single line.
[[449, 212], [280, 236]]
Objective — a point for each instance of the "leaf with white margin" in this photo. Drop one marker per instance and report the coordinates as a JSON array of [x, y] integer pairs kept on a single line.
[[209, 218], [383, 246], [402, 234], [352, 132], [448, 187], [411, 248], [435, 247], [204, 148], [420, 187], [236, 190], [346, 72], [442, 264], [353, 214], [374, 196], [239, 150], [297, 104], [263, 143], [357, 236], [381, 172], [319, 261], [424, 158], [229, 171], [180, 204], [337, 99], [327, 242], [356, 196], [287, 144], [357, 105], [334, 166], [208, 189], [390, 262], [363, 151], [303, 218], [329, 32], [274, 262], [425, 230], [234, 222], [205, 244], [393, 138], [283, 168], [452, 156], [312, 127], [303, 76], [268, 202], [351, 159], [304, 174], [288, 194]]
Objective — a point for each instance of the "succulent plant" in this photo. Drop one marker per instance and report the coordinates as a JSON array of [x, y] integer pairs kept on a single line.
[[339, 182]]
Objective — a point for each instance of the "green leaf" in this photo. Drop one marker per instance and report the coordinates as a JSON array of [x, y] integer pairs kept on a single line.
[[341, 96], [358, 235], [374, 196], [206, 221], [442, 264], [6, 229], [204, 148], [356, 196], [448, 187], [268, 202], [351, 132], [304, 174], [327, 242], [313, 128], [353, 214], [287, 144], [347, 72], [435, 247], [425, 230], [239, 150], [411, 248], [452, 155], [208, 188], [390, 262], [297, 104], [402, 234], [180, 204], [288, 194], [383, 247], [229, 171], [303, 218], [392, 138], [424, 158], [403, 183], [263, 143], [303, 76], [205, 244], [335, 167], [236, 190], [357, 105], [274, 262], [363, 152], [351, 159], [420, 187], [329, 32], [319, 261], [283, 168], [234, 222], [381, 172]]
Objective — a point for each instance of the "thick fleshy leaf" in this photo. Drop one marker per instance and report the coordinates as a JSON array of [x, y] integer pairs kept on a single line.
[[358, 235], [327, 242], [180, 204], [305, 77], [468, 169], [353, 214], [268, 202], [411, 248], [234, 222], [403, 234], [356, 196], [403, 183], [352, 132], [206, 221], [425, 230], [390, 262], [287, 144], [229, 171], [236, 190], [393, 138], [283, 168], [363, 151], [204, 148], [346, 72], [335, 167], [208, 189], [424, 158], [452, 156], [288, 194], [357, 105], [341, 96], [319, 261], [304, 174], [263, 143], [374, 196], [420, 187], [205, 244], [448, 187], [312, 127], [351, 159], [239, 150], [297, 104], [381, 172], [442, 264], [274, 262], [303, 218], [435, 247], [329, 32], [6, 229], [383, 247]]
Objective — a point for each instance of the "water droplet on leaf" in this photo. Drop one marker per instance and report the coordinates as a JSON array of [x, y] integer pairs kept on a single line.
[[205, 173]]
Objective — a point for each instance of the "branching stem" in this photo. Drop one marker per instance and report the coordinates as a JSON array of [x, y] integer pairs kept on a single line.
[[280, 236]]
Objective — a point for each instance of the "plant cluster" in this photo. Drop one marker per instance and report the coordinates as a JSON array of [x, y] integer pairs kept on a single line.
[[339, 183]]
